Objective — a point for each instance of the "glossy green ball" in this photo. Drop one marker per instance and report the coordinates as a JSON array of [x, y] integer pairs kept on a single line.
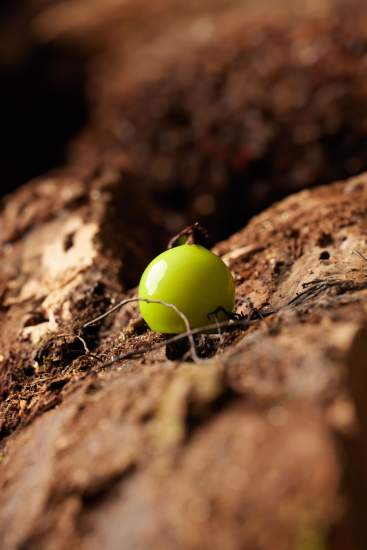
[[192, 278]]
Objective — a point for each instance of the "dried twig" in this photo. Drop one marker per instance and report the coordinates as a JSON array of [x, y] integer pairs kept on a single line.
[[152, 347], [84, 343], [312, 289], [193, 234], [310, 292], [160, 302], [109, 311]]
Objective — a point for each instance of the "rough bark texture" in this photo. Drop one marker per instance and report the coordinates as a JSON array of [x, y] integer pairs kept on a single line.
[[227, 111], [219, 107], [256, 448], [194, 113]]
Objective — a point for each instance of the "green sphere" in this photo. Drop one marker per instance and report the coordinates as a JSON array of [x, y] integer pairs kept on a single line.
[[192, 278]]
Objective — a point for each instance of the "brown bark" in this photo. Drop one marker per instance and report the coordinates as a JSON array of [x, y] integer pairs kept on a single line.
[[263, 446], [257, 448], [220, 107], [225, 111]]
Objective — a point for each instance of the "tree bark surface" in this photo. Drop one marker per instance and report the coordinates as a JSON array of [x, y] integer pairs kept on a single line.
[[261, 446]]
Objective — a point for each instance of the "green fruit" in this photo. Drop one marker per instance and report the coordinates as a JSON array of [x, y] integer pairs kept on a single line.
[[192, 278]]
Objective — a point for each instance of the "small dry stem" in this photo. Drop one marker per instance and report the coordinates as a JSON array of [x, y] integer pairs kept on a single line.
[[188, 333]]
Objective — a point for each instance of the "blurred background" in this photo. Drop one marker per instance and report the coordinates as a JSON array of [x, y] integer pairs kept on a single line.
[[214, 108]]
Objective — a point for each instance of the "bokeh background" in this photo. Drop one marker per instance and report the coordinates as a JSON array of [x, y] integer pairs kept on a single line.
[[214, 108]]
